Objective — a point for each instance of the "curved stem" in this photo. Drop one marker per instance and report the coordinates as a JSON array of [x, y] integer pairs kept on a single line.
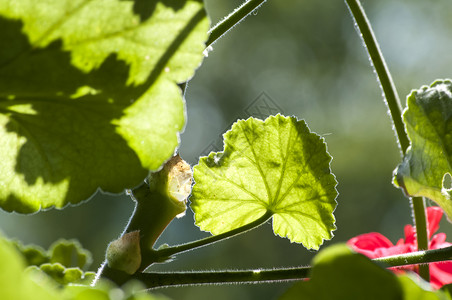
[[383, 74], [395, 109], [167, 252], [232, 19]]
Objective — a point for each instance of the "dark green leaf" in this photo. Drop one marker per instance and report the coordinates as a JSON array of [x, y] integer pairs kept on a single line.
[[275, 165]]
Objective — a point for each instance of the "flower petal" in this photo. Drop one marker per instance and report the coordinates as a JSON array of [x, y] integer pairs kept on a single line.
[[434, 215], [440, 274], [375, 245]]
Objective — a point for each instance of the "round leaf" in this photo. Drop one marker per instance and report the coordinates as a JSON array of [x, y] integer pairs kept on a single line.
[[89, 96], [276, 165]]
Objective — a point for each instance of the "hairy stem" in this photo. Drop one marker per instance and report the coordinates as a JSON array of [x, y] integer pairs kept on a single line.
[[232, 19], [167, 252], [158, 280], [420, 221], [395, 110], [383, 74], [419, 257]]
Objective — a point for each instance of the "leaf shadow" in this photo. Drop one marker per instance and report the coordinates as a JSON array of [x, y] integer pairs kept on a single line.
[[66, 118], [145, 8]]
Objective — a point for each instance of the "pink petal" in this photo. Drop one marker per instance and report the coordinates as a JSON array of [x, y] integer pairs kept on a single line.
[[410, 235], [375, 245], [370, 241], [434, 215], [440, 274], [439, 241]]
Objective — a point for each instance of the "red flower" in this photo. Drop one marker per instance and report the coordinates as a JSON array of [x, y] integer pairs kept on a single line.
[[375, 245]]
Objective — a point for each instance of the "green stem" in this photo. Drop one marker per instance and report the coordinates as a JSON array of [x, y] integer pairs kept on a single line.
[[395, 109], [167, 252], [232, 19], [419, 257], [418, 206], [383, 74], [158, 280]]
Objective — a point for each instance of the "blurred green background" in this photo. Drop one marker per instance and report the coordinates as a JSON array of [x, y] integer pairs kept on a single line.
[[308, 59]]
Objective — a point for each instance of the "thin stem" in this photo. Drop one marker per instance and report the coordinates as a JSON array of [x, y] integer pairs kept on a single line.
[[418, 207], [158, 280], [419, 257], [395, 110], [383, 74], [167, 252], [232, 19]]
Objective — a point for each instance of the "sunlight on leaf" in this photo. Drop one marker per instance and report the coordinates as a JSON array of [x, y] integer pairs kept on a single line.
[[425, 170], [275, 165], [89, 96]]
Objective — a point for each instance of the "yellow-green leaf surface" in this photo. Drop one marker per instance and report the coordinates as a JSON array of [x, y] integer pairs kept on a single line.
[[89, 96], [15, 283], [428, 121], [276, 166], [18, 282]]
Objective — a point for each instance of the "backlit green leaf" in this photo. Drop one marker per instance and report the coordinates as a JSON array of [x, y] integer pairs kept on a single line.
[[33, 255], [64, 275], [276, 166], [14, 282], [69, 254], [89, 96], [428, 121]]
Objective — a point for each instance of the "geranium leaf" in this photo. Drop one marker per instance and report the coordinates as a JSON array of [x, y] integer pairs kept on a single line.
[[69, 254], [89, 96], [33, 255], [63, 275], [14, 282], [338, 273], [428, 121], [276, 166]]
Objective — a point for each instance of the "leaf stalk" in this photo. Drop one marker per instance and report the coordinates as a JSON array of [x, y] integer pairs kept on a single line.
[[232, 19], [395, 109], [167, 252]]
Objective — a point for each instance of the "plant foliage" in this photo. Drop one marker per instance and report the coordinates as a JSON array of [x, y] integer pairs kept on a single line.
[[89, 96], [276, 166]]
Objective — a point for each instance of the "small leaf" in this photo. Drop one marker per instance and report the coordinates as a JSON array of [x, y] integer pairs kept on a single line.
[[61, 274], [427, 163], [275, 166], [69, 254], [89, 96], [33, 255], [17, 284]]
